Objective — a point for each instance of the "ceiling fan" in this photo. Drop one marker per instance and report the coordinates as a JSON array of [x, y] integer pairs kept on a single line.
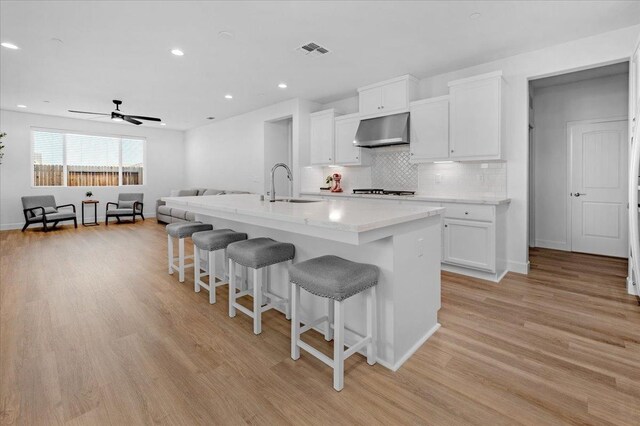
[[118, 116]]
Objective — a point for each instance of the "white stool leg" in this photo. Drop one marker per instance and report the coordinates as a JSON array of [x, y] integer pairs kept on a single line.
[[212, 277], [170, 252], [257, 301], [225, 267], [328, 333], [232, 288], [181, 260], [338, 346], [196, 269], [371, 325], [295, 322], [288, 307], [243, 277]]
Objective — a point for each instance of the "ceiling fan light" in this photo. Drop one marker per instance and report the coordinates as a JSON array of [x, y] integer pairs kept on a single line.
[[177, 52], [116, 119]]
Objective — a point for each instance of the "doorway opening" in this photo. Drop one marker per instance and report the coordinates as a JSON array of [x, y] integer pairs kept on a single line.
[[578, 161], [278, 148]]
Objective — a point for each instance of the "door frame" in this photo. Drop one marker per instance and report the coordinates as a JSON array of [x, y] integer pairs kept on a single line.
[[568, 204]]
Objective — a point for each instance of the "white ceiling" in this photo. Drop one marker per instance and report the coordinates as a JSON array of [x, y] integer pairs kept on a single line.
[[120, 50]]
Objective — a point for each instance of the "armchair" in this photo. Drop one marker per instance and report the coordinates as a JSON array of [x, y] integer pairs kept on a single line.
[[128, 205], [43, 209]]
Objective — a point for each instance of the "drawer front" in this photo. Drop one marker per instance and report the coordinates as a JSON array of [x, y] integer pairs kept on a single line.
[[469, 211]]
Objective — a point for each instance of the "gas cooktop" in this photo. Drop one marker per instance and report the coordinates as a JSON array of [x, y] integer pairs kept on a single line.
[[379, 191]]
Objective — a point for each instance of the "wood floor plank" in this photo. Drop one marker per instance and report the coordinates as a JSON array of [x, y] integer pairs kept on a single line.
[[94, 331]]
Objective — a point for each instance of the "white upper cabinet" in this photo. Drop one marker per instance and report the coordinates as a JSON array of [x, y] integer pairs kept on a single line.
[[321, 141], [476, 118], [429, 127], [387, 97], [346, 153]]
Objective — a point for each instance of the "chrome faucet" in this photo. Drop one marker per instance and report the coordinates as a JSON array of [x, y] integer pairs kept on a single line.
[[273, 170]]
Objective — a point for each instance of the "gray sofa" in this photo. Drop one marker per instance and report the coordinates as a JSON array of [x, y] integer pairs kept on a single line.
[[166, 214]]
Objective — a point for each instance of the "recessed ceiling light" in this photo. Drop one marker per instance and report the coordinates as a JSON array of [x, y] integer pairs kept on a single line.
[[163, 124], [9, 46], [177, 52], [57, 40], [475, 15], [282, 85], [225, 34], [46, 102], [21, 106], [228, 96]]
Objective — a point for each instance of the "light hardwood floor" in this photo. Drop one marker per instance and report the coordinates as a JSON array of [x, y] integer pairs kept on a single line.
[[94, 331]]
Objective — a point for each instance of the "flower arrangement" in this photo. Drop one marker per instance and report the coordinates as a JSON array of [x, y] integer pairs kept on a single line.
[[89, 194]]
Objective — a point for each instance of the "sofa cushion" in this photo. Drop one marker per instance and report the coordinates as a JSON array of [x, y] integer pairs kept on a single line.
[[179, 213], [164, 210], [125, 204], [184, 192], [49, 210], [190, 216], [237, 192], [213, 192]]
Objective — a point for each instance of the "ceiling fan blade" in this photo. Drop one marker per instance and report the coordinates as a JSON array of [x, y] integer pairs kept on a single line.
[[142, 117], [131, 120], [88, 112]]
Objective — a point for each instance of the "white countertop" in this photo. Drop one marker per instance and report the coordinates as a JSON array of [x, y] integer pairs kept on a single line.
[[342, 215], [433, 199]]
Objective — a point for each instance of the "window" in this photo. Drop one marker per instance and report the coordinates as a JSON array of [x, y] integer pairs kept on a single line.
[[72, 159]]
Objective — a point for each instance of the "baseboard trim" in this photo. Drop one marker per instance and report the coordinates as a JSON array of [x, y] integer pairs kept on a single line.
[[519, 267], [487, 276], [413, 349], [19, 225], [630, 288], [554, 245]]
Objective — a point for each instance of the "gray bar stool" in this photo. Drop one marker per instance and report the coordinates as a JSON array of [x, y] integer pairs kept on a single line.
[[182, 230], [335, 279], [258, 254], [211, 241]]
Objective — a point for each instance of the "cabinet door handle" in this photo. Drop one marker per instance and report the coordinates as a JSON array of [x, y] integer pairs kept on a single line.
[[466, 212], [577, 194], [357, 158], [446, 226], [382, 107], [452, 150]]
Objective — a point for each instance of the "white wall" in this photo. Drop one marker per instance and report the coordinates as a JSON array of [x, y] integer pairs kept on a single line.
[[554, 106], [230, 154], [165, 164], [602, 49]]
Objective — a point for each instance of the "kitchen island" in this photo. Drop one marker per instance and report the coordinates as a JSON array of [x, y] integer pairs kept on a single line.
[[403, 241]]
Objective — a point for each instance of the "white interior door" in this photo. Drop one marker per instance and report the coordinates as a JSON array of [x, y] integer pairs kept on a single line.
[[598, 187]]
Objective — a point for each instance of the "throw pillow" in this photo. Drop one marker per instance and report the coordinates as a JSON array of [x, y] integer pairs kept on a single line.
[[125, 204]]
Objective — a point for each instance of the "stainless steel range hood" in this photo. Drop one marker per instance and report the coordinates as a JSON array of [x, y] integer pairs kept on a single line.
[[383, 131]]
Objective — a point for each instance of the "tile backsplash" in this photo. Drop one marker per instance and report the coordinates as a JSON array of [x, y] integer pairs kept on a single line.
[[390, 169]]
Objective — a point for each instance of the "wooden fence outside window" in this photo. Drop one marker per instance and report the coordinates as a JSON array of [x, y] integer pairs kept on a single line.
[[53, 175]]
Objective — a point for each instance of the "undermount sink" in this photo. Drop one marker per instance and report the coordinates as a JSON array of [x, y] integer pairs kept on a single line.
[[296, 200]]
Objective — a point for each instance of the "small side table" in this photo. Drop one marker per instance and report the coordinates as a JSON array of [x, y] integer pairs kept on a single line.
[[95, 212]]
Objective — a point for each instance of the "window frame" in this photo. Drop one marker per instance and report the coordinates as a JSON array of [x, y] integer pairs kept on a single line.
[[64, 133]]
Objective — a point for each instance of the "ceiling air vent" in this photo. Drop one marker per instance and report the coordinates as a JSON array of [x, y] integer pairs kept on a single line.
[[312, 49]]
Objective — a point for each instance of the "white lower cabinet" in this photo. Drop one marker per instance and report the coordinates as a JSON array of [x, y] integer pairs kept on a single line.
[[469, 243], [473, 235]]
